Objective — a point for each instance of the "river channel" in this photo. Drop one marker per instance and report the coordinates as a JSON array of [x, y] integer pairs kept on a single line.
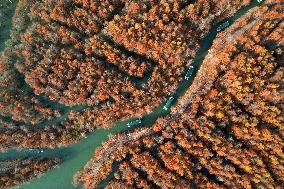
[[77, 155]]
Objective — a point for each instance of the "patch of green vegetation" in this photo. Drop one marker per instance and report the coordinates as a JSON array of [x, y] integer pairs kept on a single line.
[[7, 9]]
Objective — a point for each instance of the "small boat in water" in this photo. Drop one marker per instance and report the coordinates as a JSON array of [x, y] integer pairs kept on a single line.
[[168, 103], [223, 26], [36, 150], [134, 123], [189, 72], [259, 1]]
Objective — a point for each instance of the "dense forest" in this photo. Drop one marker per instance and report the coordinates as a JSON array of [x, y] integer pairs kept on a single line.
[[85, 63], [225, 132], [79, 58], [16, 171], [69, 67]]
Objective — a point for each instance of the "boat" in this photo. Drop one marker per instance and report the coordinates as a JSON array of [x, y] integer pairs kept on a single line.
[[168, 103], [36, 150], [223, 26], [189, 72], [134, 123], [259, 1]]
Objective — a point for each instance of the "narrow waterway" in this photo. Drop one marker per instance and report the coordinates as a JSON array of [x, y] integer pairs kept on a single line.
[[77, 155]]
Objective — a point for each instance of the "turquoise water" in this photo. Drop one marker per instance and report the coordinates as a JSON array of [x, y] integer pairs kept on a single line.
[[77, 155]]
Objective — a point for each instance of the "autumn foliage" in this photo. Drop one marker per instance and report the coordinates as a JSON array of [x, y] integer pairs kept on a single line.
[[226, 132], [72, 66], [16, 171], [119, 58]]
